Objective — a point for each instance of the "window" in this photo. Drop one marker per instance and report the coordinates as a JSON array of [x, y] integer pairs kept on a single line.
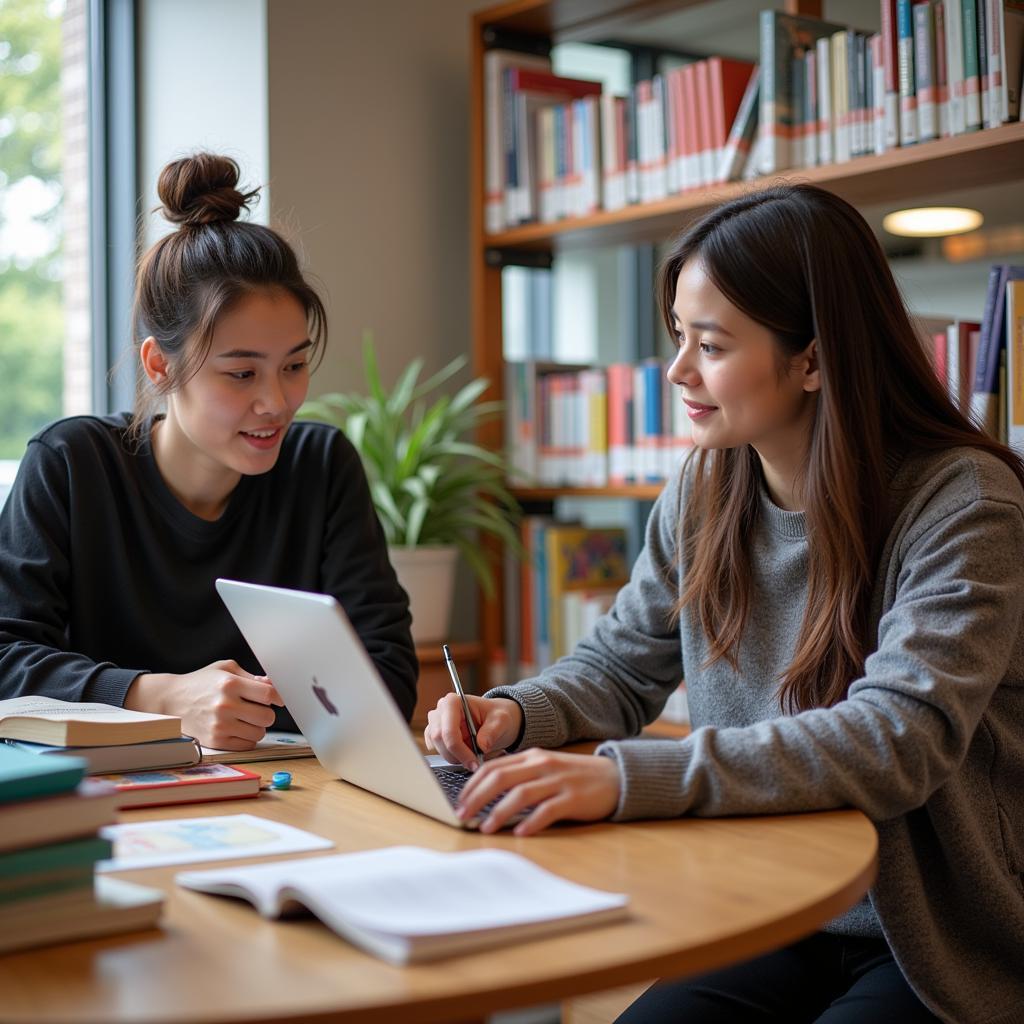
[[45, 355]]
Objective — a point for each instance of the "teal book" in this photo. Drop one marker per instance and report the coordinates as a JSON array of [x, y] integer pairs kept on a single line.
[[25, 776], [42, 870], [54, 856]]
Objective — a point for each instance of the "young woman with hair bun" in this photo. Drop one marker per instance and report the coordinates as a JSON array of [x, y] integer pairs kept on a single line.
[[838, 574], [117, 526]]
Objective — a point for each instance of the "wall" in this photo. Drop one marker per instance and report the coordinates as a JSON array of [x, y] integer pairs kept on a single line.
[[202, 85], [369, 112]]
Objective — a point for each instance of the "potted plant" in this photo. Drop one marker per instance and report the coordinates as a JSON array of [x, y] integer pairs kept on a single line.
[[434, 489]]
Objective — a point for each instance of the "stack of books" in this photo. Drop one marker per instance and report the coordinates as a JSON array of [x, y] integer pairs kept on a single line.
[[49, 847], [106, 738]]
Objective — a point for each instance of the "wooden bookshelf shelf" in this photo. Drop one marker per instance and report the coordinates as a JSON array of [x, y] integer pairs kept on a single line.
[[987, 157], [639, 492]]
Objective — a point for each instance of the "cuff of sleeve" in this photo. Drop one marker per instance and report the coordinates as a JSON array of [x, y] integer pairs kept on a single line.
[[651, 777], [540, 723], [109, 684]]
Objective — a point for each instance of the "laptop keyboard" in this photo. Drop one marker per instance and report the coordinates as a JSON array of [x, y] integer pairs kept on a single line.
[[452, 781]]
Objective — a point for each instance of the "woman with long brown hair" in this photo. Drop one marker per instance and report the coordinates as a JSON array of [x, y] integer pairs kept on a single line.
[[837, 571]]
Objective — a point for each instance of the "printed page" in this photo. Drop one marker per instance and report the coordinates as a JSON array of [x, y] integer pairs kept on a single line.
[[63, 710], [275, 744], [411, 891]]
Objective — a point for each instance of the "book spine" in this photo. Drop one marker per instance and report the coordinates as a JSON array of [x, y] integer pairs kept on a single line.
[[955, 66], [773, 145], [890, 56], [972, 75], [823, 51], [924, 71], [908, 93], [1013, 55], [852, 96], [995, 98], [1015, 364], [707, 157], [878, 92], [840, 98], [863, 102], [811, 113], [941, 73]]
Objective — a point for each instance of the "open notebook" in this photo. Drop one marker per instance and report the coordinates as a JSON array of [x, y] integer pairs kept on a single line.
[[405, 903]]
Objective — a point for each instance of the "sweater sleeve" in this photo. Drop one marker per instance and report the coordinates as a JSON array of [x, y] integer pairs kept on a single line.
[[944, 646], [357, 572], [621, 674], [35, 570]]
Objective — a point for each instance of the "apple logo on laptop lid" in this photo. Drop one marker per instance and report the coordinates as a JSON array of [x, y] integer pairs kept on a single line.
[[321, 695]]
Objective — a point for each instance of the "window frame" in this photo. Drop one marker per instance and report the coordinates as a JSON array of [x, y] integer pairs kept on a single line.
[[113, 197]]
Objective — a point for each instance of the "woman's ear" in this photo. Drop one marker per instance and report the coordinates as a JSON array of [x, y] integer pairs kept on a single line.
[[809, 367], [154, 362]]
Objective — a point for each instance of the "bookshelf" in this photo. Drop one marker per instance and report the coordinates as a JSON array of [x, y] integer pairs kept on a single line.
[[987, 157]]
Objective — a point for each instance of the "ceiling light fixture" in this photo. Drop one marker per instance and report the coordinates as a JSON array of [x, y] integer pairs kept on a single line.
[[932, 221]]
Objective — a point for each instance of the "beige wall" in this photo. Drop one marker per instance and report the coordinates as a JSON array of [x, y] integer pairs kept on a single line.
[[368, 116]]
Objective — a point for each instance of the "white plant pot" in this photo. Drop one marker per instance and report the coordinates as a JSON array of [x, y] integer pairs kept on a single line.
[[428, 576]]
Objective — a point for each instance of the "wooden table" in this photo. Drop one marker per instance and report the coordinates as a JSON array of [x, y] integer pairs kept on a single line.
[[702, 893]]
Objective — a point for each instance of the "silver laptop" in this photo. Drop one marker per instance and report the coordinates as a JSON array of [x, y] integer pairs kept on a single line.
[[315, 658]]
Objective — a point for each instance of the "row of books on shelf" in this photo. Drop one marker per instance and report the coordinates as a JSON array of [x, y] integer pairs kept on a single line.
[[982, 362], [566, 579], [820, 93], [593, 426]]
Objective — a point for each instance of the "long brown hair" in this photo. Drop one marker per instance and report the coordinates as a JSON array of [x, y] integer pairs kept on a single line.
[[191, 277], [804, 263]]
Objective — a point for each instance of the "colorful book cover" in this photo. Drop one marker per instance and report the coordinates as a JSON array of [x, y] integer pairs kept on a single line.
[[184, 785], [580, 558]]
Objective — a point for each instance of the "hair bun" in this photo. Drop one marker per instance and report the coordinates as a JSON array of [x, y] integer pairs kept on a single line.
[[202, 189]]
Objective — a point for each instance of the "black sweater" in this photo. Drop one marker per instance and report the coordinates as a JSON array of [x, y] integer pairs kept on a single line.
[[104, 574]]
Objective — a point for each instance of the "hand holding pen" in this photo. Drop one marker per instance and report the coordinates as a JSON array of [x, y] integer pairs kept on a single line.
[[470, 724], [463, 729]]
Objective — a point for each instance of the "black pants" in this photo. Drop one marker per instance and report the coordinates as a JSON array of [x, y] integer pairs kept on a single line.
[[824, 979]]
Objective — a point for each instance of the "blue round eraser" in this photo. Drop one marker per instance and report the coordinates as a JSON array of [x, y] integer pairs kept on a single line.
[[281, 780]]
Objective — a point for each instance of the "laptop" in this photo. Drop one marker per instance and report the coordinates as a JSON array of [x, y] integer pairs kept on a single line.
[[333, 690]]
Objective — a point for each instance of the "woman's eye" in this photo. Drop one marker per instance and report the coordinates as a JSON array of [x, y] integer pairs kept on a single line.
[[708, 349], [240, 374], [297, 367]]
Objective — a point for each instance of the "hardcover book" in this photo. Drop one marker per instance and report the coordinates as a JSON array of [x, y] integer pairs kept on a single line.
[[195, 784], [124, 756], [108, 907], [64, 723], [77, 813], [23, 776]]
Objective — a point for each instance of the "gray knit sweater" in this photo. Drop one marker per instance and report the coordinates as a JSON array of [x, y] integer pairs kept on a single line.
[[929, 743]]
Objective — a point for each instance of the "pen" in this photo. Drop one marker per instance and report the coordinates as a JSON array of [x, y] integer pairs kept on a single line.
[[465, 703]]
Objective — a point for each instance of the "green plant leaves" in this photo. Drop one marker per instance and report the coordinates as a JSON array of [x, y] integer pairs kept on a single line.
[[429, 482]]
